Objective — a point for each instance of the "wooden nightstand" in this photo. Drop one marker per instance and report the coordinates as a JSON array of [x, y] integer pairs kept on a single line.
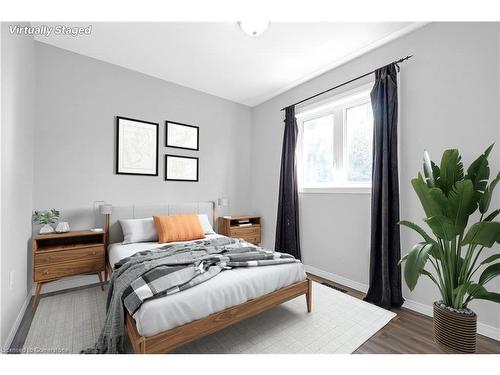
[[237, 227], [60, 255]]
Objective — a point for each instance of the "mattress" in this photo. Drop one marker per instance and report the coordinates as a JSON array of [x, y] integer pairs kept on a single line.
[[227, 289]]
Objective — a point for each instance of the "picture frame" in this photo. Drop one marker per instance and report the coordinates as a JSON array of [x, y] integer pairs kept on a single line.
[[137, 147], [182, 136], [181, 168]]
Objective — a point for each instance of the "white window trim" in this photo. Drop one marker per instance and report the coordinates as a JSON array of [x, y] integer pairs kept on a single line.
[[323, 108], [337, 190]]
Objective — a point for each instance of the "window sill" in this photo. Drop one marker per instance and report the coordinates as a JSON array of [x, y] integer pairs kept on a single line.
[[337, 190]]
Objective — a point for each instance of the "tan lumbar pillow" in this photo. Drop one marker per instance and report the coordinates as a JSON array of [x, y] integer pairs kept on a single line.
[[175, 228]]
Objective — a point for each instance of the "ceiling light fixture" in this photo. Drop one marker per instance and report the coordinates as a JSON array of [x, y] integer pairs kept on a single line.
[[254, 28]]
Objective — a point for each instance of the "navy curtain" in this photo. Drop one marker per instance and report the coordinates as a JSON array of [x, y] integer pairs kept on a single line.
[[385, 248], [287, 223]]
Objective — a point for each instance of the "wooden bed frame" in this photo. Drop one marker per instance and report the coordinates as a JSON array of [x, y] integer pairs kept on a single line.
[[167, 341]]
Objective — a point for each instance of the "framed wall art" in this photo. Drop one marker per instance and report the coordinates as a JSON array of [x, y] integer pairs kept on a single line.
[[181, 168], [136, 147], [184, 136]]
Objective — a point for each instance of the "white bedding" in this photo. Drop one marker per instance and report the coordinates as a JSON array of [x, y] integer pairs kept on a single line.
[[229, 288], [118, 251]]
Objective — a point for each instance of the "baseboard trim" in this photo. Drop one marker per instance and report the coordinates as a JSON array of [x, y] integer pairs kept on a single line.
[[488, 331], [17, 323], [482, 329], [337, 279]]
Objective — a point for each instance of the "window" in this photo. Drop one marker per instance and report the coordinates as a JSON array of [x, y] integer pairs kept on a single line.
[[318, 150], [335, 144]]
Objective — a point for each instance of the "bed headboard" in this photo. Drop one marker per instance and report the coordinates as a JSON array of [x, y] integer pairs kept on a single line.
[[139, 212]]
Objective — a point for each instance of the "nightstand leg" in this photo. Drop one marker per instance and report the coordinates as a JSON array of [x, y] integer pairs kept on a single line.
[[38, 287], [100, 279]]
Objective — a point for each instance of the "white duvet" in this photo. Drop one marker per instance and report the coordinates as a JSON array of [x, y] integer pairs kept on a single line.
[[229, 288]]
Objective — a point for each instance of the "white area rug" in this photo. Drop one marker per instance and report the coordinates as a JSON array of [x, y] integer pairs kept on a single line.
[[339, 323]]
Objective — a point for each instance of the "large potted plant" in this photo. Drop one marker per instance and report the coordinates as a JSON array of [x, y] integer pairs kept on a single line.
[[458, 258]]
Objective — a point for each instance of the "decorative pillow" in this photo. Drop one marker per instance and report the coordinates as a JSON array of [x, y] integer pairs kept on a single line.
[[138, 230], [178, 228], [205, 224]]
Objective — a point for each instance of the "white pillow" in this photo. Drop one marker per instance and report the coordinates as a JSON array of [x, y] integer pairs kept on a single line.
[[139, 230], [205, 224]]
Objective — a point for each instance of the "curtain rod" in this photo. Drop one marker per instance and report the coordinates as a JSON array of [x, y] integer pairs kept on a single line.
[[345, 83]]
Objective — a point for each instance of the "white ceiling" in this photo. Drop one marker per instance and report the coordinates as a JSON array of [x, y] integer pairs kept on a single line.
[[219, 59]]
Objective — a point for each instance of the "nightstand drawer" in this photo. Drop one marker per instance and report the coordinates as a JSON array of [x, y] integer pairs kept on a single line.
[[255, 239], [55, 271], [245, 231], [68, 255]]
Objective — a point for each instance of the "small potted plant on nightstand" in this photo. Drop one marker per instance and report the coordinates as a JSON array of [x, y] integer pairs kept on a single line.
[[46, 218], [449, 198]]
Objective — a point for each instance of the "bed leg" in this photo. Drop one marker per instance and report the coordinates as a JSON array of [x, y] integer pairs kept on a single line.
[[142, 346], [309, 295]]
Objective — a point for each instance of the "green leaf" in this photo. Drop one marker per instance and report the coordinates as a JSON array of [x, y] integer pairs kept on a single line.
[[436, 173], [480, 292], [403, 259], [452, 170], [46, 217], [460, 263], [479, 171], [459, 293], [428, 173], [438, 197], [491, 259], [461, 204], [473, 288], [415, 263], [488, 150], [489, 296], [485, 199], [430, 206], [419, 230], [492, 215], [484, 233], [442, 227], [489, 273]]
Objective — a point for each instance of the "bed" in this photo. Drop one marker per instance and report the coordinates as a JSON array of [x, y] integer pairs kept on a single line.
[[165, 323]]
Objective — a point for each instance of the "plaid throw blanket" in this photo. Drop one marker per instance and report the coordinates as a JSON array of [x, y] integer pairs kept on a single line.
[[170, 269]]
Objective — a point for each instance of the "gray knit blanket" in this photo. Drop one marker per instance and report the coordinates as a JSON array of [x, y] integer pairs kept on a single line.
[[171, 269]]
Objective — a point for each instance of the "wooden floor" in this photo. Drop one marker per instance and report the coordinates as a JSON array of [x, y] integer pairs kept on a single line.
[[410, 333]]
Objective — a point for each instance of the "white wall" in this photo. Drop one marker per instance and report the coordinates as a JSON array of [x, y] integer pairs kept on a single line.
[[17, 136], [78, 99], [449, 98]]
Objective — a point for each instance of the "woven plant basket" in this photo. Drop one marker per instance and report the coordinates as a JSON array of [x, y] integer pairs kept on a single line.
[[454, 332]]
